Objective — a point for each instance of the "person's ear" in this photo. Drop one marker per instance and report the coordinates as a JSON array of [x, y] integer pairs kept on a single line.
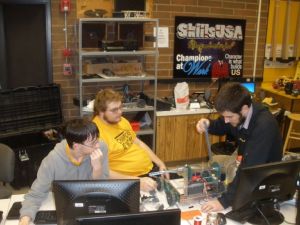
[[245, 110], [101, 114], [75, 146]]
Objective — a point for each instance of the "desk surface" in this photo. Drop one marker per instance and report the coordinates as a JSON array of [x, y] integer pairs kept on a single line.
[[182, 112], [4, 206], [288, 209]]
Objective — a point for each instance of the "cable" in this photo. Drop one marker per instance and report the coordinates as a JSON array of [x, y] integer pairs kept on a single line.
[[256, 39], [66, 35], [262, 214]]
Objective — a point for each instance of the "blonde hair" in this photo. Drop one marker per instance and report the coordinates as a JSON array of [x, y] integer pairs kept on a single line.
[[103, 98]]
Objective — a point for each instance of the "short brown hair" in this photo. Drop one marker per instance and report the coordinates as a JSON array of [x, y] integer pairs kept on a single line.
[[103, 98], [232, 97]]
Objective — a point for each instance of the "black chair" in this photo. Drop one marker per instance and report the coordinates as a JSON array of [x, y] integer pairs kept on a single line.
[[226, 147], [7, 165]]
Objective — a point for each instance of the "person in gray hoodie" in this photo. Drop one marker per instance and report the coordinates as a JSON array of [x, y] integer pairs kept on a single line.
[[80, 156]]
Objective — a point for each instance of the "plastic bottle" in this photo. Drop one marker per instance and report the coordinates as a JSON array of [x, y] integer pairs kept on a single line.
[[231, 169]]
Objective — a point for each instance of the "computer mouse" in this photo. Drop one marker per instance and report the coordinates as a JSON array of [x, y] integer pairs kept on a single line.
[[221, 219]]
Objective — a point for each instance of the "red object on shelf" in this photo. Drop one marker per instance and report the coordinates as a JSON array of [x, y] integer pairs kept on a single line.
[[135, 125]]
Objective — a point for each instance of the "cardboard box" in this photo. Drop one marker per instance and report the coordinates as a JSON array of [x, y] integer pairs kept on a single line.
[[119, 69], [96, 68]]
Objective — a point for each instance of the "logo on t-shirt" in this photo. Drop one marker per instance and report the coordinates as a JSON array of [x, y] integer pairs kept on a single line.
[[125, 139]]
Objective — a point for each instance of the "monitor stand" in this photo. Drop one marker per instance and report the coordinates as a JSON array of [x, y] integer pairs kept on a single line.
[[273, 216]]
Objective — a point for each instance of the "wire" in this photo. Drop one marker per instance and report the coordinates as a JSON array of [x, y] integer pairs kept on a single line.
[[256, 40], [66, 30], [262, 214], [66, 35]]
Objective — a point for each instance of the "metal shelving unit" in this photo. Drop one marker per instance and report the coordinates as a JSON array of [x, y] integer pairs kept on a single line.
[[141, 54]]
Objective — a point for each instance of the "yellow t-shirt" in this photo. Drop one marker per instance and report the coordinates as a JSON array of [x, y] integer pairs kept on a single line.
[[124, 155]]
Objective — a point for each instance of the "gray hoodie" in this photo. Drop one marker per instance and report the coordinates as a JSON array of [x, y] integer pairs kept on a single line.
[[57, 166]]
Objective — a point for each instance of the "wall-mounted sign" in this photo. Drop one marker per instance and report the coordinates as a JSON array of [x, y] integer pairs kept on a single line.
[[162, 37], [208, 47]]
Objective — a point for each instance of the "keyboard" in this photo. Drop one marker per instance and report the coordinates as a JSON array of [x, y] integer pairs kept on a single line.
[[46, 217], [241, 215]]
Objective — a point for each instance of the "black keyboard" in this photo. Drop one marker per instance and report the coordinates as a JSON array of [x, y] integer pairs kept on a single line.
[[241, 215], [45, 217]]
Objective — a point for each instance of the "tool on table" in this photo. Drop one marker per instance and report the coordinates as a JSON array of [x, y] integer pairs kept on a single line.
[[157, 173], [208, 144]]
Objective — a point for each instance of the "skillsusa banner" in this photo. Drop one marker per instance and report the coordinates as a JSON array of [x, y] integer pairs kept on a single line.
[[208, 47]]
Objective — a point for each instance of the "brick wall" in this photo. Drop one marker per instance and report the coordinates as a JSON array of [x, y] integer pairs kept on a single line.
[[165, 11], [69, 85]]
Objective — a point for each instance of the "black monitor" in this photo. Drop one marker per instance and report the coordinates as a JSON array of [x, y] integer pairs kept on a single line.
[[170, 217], [261, 187], [94, 197]]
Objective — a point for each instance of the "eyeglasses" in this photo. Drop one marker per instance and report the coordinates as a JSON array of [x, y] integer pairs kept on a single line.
[[93, 146], [115, 110]]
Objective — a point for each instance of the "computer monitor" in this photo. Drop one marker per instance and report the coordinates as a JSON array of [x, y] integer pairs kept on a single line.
[[170, 217], [94, 197], [262, 187], [250, 86]]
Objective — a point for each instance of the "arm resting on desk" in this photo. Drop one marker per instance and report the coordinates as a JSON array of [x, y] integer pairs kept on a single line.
[[38, 192], [24, 220]]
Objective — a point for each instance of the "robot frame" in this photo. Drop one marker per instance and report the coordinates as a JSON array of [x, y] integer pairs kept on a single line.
[[198, 183]]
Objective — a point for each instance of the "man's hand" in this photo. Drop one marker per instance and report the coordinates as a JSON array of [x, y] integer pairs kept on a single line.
[[147, 184], [212, 206], [162, 167], [96, 160], [202, 125], [24, 220]]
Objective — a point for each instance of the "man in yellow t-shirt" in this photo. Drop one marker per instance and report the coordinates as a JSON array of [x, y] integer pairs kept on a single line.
[[128, 155]]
